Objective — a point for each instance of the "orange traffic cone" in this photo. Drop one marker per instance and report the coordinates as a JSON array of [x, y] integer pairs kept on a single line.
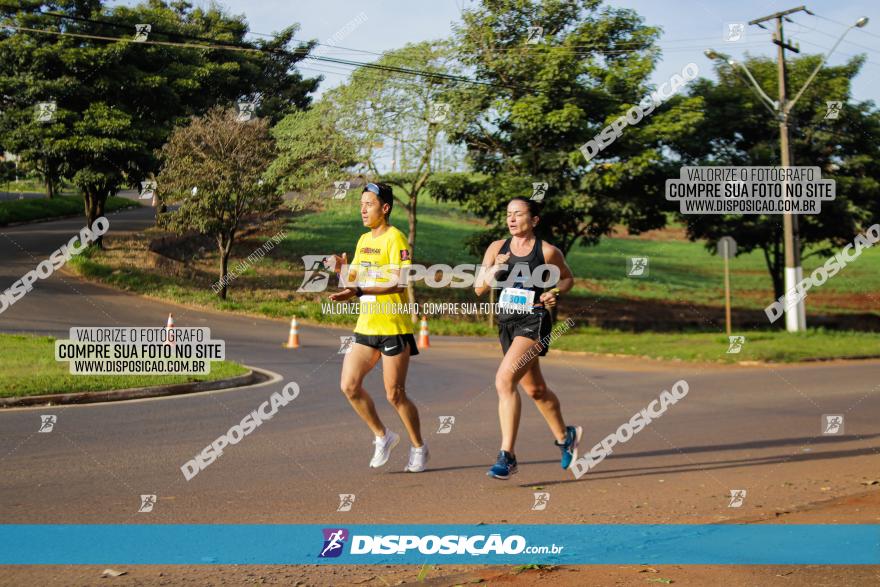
[[424, 340], [293, 337], [169, 329]]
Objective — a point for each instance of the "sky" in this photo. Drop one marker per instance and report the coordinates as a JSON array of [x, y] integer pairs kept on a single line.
[[366, 28]]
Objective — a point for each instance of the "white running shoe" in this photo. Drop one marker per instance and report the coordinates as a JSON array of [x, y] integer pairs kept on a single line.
[[384, 446], [418, 458]]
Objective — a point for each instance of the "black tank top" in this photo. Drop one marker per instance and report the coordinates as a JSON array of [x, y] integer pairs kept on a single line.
[[534, 259]]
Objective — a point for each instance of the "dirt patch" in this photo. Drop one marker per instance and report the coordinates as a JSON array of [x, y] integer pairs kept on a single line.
[[445, 576], [193, 261], [640, 315], [671, 233], [860, 508]]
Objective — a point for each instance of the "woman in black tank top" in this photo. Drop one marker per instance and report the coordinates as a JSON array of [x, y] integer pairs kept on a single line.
[[513, 276], [529, 274]]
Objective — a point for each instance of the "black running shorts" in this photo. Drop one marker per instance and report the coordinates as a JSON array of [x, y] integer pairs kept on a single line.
[[389, 345], [535, 326]]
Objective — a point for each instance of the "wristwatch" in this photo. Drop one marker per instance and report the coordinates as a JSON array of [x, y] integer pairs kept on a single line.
[[555, 291], [358, 291]]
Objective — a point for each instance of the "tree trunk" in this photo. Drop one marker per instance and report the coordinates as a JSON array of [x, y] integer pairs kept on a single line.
[[774, 260], [94, 209], [50, 175], [224, 241], [411, 219], [89, 203], [99, 211], [224, 263], [566, 243], [410, 288]]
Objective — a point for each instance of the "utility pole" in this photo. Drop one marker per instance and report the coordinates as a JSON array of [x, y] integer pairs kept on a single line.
[[795, 317]]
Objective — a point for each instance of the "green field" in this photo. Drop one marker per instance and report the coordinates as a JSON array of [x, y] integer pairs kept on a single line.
[[677, 269], [774, 346], [681, 272], [28, 367], [32, 186], [441, 231], [38, 208]]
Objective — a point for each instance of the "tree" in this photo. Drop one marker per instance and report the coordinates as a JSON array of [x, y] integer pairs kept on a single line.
[[31, 70], [214, 170], [390, 107], [739, 130], [538, 103], [117, 101], [311, 152], [7, 171]]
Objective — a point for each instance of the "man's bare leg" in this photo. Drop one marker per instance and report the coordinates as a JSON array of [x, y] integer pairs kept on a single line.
[[394, 371], [355, 367]]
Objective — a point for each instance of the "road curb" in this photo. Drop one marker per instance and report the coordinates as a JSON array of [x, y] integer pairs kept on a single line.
[[253, 376]]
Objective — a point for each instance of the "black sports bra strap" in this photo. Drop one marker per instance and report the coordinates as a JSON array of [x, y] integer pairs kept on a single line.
[[537, 250]]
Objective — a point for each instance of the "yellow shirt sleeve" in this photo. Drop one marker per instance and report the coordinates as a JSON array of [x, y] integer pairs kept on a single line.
[[399, 254]]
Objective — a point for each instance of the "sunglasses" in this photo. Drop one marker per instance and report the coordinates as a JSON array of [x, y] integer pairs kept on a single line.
[[371, 187]]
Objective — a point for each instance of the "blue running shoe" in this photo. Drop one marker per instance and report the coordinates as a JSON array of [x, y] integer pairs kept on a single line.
[[569, 448], [504, 467]]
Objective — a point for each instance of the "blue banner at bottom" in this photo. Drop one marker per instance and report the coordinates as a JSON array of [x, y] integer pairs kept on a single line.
[[151, 544]]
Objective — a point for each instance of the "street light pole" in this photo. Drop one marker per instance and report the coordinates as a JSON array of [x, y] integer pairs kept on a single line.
[[795, 313], [795, 309]]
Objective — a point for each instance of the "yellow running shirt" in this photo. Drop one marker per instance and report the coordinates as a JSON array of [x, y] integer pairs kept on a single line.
[[388, 251]]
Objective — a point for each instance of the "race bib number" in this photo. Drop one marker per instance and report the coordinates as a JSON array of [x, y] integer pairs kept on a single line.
[[514, 299], [368, 278]]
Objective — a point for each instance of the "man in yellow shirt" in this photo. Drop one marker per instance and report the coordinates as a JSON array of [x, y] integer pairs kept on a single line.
[[383, 329]]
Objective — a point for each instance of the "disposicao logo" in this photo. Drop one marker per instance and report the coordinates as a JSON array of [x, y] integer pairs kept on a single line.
[[334, 540]]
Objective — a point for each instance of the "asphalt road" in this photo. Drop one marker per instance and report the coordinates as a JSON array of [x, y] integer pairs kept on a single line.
[[740, 427]]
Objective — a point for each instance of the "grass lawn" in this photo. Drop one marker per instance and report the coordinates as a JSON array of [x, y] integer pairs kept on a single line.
[[685, 270], [680, 271], [38, 208], [774, 346], [28, 367], [32, 186], [441, 230]]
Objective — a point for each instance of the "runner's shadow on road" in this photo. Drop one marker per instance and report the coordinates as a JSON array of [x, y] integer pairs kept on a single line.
[[480, 466], [755, 444], [706, 466], [631, 472]]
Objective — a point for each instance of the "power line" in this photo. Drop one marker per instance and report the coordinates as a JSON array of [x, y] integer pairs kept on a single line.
[[589, 47], [821, 32], [217, 44], [607, 98], [240, 48], [845, 24], [213, 44], [839, 52], [262, 50]]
